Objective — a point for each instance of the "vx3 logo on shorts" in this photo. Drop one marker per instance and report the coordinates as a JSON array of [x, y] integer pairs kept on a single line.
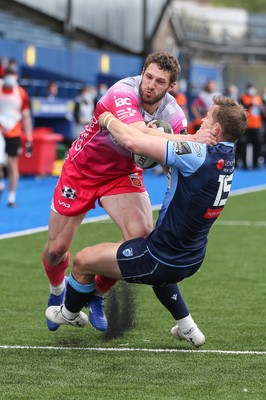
[[128, 252], [69, 193], [62, 203]]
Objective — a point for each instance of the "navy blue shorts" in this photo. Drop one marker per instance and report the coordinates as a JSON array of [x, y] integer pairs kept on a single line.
[[137, 265]]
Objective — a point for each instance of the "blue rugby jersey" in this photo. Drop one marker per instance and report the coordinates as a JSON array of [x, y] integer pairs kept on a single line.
[[199, 184]]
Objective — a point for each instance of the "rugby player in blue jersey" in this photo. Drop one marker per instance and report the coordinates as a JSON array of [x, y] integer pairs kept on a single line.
[[200, 177]]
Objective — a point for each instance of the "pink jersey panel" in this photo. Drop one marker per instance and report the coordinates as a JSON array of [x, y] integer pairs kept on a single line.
[[109, 159]]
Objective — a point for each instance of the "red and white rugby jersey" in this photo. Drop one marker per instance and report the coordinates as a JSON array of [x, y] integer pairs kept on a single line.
[[96, 152]]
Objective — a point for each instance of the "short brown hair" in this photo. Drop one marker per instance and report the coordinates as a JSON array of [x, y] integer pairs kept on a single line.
[[231, 116], [166, 62]]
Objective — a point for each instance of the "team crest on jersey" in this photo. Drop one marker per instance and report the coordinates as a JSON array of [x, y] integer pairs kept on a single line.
[[182, 148], [69, 193], [135, 180], [128, 252]]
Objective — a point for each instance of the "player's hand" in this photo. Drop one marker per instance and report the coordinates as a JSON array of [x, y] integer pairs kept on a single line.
[[206, 136], [103, 118], [28, 148], [151, 125]]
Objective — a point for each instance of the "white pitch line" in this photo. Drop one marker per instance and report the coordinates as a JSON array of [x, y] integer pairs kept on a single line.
[[131, 349], [88, 220], [45, 228], [251, 189], [107, 218], [237, 192], [242, 223]]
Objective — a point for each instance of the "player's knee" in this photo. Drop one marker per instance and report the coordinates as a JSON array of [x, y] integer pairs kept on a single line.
[[55, 251], [81, 265], [148, 226], [141, 229]]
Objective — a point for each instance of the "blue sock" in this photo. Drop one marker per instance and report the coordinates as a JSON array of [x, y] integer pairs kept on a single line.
[[78, 295]]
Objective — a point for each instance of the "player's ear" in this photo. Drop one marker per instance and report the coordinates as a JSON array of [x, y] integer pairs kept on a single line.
[[217, 128], [171, 86]]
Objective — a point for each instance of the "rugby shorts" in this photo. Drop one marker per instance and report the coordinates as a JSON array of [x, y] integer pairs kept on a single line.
[[138, 266], [76, 193], [13, 146]]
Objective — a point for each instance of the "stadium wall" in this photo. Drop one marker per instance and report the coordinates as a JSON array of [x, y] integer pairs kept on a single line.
[[88, 66]]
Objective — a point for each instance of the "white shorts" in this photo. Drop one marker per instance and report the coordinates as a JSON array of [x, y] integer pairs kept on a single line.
[[2, 149]]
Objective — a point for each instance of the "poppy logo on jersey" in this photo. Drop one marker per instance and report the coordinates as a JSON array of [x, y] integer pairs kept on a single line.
[[128, 252], [69, 193], [220, 164], [135, 180]]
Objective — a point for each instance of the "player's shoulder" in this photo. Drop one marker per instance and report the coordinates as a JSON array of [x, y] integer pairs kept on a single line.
[[171, 104], [124, 92], [186, 157], [128, 85], [195, 149], [173, 113]]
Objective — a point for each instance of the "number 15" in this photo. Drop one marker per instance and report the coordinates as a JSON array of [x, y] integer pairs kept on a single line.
[[224, 187]]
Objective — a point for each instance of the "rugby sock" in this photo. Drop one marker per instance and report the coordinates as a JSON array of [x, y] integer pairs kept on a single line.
[[77, 296], [56, 274], [11, 197], [172, 299], [103, 284], [186, 323], [57, 290]]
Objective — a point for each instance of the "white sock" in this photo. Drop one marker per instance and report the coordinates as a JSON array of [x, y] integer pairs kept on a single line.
[[67, 314], [11, 197], [186, 323], [57, 290]]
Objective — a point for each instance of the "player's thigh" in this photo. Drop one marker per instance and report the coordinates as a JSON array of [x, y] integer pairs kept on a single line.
[[61, 232], [99, 259], [132, 213]]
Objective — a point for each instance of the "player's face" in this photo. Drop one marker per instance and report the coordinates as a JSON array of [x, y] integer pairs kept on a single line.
[[154, 85], [207, 122]]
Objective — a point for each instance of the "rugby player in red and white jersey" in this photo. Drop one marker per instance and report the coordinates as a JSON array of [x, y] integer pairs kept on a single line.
[[97, 168]]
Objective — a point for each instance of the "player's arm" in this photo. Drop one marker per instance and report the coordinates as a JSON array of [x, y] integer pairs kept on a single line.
[[204, 136], [27, 124], [26, 115], [133, 139]]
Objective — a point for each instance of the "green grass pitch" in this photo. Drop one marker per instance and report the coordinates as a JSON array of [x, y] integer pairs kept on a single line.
[[226, 298]]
